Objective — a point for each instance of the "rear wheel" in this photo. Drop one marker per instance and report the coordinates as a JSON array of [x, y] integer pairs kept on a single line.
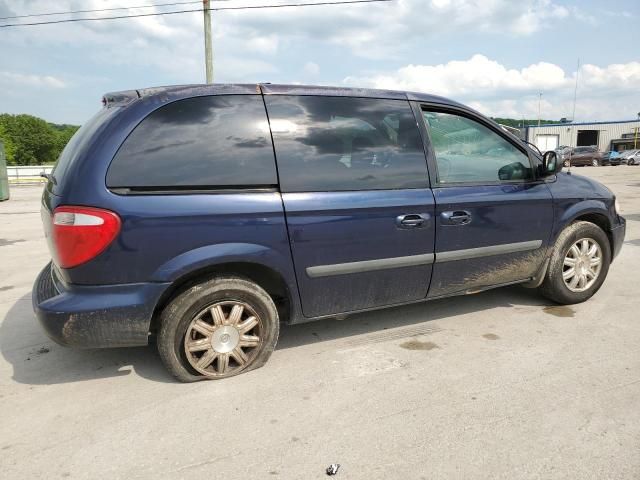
[[631, 162], [595, 162], [579, 264], [218, 329], [566, 163]]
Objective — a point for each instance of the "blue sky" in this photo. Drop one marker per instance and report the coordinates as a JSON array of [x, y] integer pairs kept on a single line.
[[495, 55]]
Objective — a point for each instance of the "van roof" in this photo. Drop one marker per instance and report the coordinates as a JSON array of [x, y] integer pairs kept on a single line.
[[186, 91]]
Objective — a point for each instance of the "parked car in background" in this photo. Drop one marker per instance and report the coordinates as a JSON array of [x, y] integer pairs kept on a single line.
[[625, 154], [562, 152], [630, 157], [611, 158], [582, 156], [206, 215]]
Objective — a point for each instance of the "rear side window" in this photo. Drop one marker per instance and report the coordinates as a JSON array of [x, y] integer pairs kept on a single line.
[[342, 143], [215, 141]]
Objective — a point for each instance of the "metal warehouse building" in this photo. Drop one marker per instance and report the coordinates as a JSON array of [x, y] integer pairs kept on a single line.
[[622, 135]]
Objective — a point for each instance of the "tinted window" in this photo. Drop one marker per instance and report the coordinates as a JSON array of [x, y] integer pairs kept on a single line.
[[202, 141], [467, 151], [341, 143]]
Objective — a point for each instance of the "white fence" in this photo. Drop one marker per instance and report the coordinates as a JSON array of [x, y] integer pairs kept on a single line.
[[27, 174]]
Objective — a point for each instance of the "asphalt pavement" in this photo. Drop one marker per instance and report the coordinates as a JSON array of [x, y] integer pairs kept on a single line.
[[501, 384]]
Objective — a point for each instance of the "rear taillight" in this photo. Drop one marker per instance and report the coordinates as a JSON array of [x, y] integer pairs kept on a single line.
[[81, 233]]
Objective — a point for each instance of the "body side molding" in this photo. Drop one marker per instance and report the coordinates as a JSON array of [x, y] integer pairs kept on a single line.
[[369, 265], [424, 259], [468, 253]]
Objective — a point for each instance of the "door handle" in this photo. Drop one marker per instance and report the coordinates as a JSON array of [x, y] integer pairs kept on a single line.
[[457, 217], [412, 220]]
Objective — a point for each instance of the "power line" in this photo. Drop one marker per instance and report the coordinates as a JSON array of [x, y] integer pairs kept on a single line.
[[68, 20], [343, 2], [48, 14], [156, 14]]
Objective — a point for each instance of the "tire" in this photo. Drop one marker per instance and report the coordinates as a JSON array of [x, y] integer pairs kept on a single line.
[[219, 333], [566, 163], [631, 161], [595, 162], [554, 286]]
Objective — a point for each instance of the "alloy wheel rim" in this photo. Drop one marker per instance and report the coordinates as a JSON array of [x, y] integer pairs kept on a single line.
[[582, 265], [223, 338]]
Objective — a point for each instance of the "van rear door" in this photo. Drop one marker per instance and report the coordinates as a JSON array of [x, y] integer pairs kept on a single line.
[[356, 194]]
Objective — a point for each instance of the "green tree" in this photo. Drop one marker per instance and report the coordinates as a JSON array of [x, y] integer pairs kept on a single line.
[[9, 147], [63, 134], [30, 140]]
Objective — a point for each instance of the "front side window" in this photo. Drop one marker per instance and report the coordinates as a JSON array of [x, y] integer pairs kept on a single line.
[[214, 141], [342, 143], [468, 152]]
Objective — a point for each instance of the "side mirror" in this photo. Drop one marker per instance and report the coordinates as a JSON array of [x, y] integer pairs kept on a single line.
[[550, 163], [512, 171]]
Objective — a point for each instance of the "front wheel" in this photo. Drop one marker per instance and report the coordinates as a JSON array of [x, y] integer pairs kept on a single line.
[[566, 163], [217, 329], [631, 162], [579, 264]]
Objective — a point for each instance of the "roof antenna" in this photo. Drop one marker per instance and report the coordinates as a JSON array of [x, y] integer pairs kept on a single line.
[[573, 117]]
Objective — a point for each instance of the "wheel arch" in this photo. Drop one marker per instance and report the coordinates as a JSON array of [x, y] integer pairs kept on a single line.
[[269, 268], [602, 221], [592, 211], [266, 277]]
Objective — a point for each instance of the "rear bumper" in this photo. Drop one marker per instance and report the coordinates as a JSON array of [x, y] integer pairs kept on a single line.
[[617, 236], [94, 316]]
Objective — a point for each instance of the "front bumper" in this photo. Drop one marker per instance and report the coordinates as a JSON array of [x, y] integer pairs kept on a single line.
[[94, 316], [617, 236]]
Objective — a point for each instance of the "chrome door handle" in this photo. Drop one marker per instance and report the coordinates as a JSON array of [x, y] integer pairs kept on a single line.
[[412, 220], [457, 217]]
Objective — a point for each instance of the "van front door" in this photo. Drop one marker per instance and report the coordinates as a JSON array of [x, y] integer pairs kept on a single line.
[[493, 217]]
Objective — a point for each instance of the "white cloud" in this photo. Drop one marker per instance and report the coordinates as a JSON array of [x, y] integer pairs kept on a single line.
[[173, 43], [603, 92], [534, 17], [277, 45], [311, 68], [478, 76], [381, 30], [30, 80]]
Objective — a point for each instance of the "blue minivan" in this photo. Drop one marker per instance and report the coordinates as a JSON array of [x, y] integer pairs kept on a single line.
[[206, 215]]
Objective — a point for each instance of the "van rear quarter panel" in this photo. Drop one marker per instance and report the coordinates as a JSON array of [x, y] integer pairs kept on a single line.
[[165, 236], [158, 231]]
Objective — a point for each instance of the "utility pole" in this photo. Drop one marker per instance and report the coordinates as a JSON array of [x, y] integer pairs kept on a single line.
[[573, 115], [208, 49], [539, 102]]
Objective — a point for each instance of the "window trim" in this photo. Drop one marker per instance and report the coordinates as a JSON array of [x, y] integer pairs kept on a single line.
[[420, 107]]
